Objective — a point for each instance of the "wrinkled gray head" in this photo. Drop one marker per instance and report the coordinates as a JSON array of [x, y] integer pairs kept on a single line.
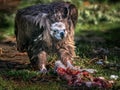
[[58, 31]]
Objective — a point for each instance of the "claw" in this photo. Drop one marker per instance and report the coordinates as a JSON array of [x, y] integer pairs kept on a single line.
[[43, 69], [69, 65]]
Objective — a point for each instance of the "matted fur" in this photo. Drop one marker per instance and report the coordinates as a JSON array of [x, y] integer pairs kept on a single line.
[[32, 30]]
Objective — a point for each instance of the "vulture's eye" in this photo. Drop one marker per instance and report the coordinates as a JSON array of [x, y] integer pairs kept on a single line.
[[55, 31]]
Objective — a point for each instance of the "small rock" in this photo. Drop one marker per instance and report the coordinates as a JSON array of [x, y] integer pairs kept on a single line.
[[99, 62], [115, 77]]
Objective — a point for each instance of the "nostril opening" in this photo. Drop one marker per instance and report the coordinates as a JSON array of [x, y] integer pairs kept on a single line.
[[62, 34]]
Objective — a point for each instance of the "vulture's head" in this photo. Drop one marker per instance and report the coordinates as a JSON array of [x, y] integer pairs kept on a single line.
[[58, 30], [63, 18]]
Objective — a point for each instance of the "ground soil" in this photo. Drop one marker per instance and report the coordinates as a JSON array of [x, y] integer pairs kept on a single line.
[[10, 58]]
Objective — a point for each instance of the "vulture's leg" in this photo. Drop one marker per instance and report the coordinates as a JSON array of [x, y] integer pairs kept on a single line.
[[33, 60], [66, 57], [42, 57]]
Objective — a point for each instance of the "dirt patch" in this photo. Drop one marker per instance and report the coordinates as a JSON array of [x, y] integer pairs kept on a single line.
[[10, 57]]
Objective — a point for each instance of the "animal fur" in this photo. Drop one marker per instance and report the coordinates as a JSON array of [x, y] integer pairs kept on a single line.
[[32, 30]]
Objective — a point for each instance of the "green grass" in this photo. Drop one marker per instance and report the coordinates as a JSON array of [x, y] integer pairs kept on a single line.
[[102, 27], [8, 28], [22, 85], [25, 75]]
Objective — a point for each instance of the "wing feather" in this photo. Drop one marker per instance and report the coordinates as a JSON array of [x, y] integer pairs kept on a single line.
[[29, 28]]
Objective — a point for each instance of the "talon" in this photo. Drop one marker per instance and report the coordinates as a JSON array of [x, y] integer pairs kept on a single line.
[[43, 70], [69, 65]]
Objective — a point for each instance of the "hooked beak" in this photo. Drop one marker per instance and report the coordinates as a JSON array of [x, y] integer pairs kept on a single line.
[[62, 35]]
